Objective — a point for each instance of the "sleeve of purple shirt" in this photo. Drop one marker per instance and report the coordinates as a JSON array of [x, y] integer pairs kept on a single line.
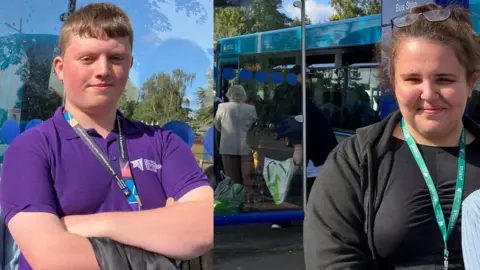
[[471, 231], [180, 172], [27, 185]]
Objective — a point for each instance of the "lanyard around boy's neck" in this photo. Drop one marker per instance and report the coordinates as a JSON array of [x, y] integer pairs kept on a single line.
[[126, 179], [457, 200]]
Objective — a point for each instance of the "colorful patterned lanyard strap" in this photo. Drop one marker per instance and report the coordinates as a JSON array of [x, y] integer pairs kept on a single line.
[[457, 200], [125, 182]]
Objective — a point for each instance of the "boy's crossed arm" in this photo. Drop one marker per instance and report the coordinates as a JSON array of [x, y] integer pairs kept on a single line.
[[182, 230]]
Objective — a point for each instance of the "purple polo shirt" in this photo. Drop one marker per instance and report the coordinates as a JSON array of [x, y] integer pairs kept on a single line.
[[50, 169]]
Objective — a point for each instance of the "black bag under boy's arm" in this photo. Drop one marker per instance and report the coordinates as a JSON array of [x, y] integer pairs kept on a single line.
[[112, 255]]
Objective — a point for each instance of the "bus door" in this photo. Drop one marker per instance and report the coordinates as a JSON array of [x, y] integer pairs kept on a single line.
[[227, 70]]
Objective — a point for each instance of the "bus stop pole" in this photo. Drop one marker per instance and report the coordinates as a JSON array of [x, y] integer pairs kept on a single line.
[[304, 107]]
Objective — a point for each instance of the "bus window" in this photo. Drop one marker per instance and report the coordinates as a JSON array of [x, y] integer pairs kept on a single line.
[[329, 95], [360, 98], [348, 97], [29, 89]]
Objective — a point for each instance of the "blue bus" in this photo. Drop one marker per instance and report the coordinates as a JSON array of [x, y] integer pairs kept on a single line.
[[339, 55]]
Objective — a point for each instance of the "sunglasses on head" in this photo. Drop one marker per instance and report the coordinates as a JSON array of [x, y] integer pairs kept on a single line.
[[436, 15]]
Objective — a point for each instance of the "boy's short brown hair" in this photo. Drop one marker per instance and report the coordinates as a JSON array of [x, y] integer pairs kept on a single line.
[[96, 20]]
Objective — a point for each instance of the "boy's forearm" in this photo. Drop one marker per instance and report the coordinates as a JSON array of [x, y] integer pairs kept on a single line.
[[181, 231], [67, 251]]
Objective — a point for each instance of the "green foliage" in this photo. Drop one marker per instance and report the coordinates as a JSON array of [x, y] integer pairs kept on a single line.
[[129, 100], [163, 98], [259, 16], [35, 97], [204, 115], [334, 17], [353, 8], [297, 22]]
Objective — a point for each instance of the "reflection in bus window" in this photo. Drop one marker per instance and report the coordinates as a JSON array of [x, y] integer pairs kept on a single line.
[[29, 89], [348, 96], [41, 92]]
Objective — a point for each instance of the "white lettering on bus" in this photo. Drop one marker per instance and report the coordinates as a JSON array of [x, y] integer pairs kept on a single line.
[[228, 47]]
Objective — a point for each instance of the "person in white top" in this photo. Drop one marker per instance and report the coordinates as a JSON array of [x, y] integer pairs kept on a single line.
[[234, 119]]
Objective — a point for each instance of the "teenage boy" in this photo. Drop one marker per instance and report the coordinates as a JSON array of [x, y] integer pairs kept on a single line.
[[87, 171]]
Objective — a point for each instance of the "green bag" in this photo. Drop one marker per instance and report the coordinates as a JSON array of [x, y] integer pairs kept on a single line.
[[229, 197], [277, 176]]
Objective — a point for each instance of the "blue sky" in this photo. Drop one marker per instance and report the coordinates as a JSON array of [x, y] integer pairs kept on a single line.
[[317, 10], [165, 38]]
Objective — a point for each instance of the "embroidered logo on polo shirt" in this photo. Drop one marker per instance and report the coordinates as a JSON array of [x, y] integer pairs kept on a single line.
[[149, 165], [152, 166], [137, 164]]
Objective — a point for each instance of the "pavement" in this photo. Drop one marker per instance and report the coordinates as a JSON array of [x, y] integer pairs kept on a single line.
[[258, 246]]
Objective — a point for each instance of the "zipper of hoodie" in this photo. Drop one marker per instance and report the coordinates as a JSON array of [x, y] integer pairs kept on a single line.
[[367, 190]]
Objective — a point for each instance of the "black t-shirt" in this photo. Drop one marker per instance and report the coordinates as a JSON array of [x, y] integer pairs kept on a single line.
[[405, 230]]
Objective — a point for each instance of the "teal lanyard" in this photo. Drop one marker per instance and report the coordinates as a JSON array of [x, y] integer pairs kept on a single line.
[[457, 201]]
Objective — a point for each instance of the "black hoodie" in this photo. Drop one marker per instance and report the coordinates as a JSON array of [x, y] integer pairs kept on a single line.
[[339, 219]]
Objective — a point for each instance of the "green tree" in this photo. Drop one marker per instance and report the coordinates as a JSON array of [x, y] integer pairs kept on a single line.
[[191, 8], [163, 98], [13, 52], [205, 94], [334, 17], [297, 22], [36, 98], [322, 86], [229, 22], [129, 100], [259, 16], [264, 15], [204, 115], [353, 8], [354, 79]]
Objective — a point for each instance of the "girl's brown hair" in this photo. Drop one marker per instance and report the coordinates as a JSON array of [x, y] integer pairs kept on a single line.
[[456, 32]]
